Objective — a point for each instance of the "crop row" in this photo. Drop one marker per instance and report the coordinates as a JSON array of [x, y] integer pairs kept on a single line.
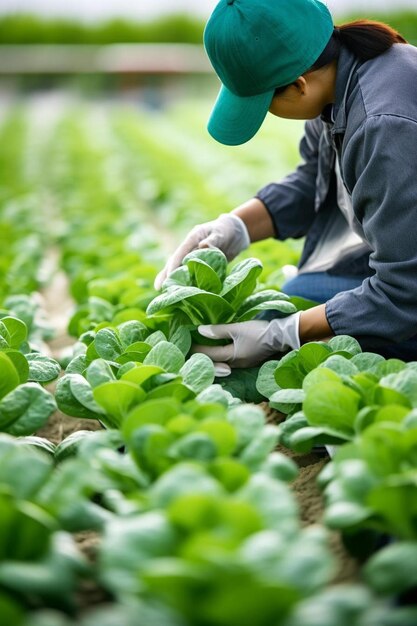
[[190, 504]]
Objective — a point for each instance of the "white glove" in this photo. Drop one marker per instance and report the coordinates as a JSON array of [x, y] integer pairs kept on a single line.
[[228, 233], [252, 342]]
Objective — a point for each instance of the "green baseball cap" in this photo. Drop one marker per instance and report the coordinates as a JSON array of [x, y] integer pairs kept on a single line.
[[256, 46]]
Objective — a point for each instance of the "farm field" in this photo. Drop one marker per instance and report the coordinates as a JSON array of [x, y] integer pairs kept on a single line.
[[136, 487]]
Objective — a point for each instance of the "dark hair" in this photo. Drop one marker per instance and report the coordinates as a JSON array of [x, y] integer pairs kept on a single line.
[[367, 39]]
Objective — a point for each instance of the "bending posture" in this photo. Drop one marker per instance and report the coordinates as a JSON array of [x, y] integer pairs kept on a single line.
[[354, 197]]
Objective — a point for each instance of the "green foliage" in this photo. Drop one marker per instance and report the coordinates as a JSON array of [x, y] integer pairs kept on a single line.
[[24, 405], [184, 488], [187, 291], [27, 29], [203, 542], [371, 482]]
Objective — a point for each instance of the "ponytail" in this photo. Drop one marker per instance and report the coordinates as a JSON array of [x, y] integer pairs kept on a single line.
[[367, 39]]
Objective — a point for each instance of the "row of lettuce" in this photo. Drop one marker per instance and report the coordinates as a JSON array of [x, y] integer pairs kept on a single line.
[[190, 504]]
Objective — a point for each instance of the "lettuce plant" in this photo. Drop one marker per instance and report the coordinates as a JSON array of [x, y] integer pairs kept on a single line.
[[161, 433], [24, 404], [371, 481], [205, 293], [108, 391], [244, 556], [41, 564]]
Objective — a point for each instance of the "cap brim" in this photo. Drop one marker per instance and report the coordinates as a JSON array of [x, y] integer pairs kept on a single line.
[[235, 119]]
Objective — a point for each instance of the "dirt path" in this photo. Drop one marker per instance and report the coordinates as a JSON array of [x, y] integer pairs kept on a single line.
[[58, 306]]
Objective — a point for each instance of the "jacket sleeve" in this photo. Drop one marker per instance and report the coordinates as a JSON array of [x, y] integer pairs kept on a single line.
[[290, 202], [379, 165]]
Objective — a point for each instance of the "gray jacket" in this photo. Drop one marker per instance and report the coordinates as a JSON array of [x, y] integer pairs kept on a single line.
[[374, 135]]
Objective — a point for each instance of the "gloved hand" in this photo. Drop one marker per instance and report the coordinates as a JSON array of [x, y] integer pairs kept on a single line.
[[228, 233], [252, 342]]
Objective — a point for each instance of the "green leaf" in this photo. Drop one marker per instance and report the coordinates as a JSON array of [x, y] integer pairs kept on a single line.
[[241, 282], [139, 374], [390, 366], [261, 445], [197, 445], [198, 372], [288, 374], [249, 422], [393, 570], [9, 376], [182, 479], [149, 446], [318, 376], [42, 369], [108, 344], [344, 343], [310, 355], [69, 404], [181, 337], [131, 332], [229, 472], [333, 405], [77, 365], [202, 307], [202, 275], [173, 389], [23, 471], [340, 365], [99, 372], [82, 392], [367, 361], [158, 411], [135, 352], [289, 429], [216, 394], [154, 338], [117, 397], [261, 297], [241, 383], [279, 306], [180, 277], [70, 445], [25, 409], [405, 382], [167, 356], [266, 383], [345, 514], [391, 413], [4, 337], [39, 444], [221, 433], [387, 396], [213, 257], [128, 544], [280, 467], [21, 364], [274, 502], [16, 329], [288, 396]]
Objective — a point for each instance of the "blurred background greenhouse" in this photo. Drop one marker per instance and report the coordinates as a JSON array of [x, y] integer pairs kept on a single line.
[[140, 69]]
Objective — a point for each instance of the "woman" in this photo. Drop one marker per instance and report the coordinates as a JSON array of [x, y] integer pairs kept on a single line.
[[355, 195]]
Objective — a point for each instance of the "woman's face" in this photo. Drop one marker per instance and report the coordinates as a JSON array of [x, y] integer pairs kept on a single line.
[[306, 98]]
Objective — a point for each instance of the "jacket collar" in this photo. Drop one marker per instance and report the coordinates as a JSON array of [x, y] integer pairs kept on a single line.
[[346, 69]]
